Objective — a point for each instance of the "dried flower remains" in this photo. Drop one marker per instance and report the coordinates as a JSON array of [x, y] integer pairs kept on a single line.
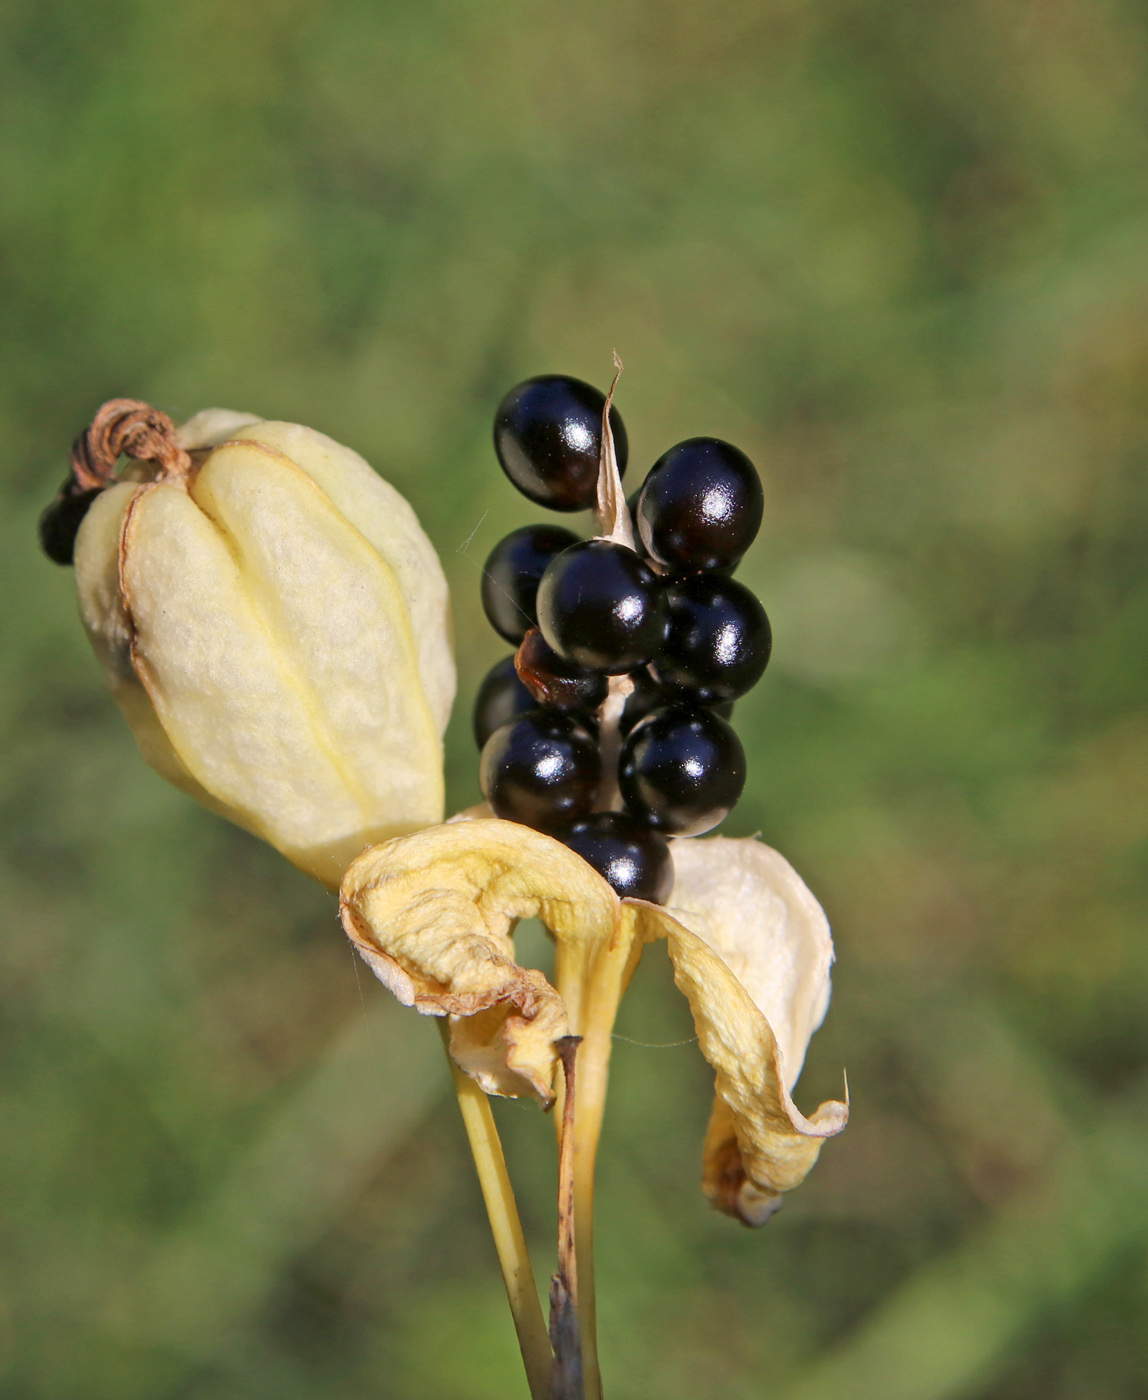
[[274, 624]]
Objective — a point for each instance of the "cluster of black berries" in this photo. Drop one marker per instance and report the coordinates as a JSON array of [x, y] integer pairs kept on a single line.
[[667, 614]]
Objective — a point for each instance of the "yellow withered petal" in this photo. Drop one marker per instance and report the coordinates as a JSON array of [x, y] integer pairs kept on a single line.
[[751, 950], [433, 915], [757, 914], [273, 623]]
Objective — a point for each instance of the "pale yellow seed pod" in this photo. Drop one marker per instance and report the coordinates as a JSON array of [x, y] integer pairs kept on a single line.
[[274, 624]]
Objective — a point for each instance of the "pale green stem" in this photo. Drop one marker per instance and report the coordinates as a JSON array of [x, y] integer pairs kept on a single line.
[[505, 1226], [591, 980]]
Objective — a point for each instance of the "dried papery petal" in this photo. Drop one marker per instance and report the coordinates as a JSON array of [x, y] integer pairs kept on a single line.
[[756, 955], [614, 521], [273, 622], [754, 910], [614, 524], [433, 915], [758, 1145]]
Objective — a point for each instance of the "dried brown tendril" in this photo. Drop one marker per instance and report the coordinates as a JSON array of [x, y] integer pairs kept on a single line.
[[125, 428], [121, 428]]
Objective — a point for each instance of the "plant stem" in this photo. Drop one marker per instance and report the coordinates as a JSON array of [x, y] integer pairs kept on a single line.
[[591, 980], [505, 1226], [567, 1381]]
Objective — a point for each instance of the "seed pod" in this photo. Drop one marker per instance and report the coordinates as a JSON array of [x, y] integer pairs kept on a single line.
[[274, 624]]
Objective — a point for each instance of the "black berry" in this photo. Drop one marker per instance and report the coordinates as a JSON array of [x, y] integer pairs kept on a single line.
[[541, 770], [501, 697], [632, 507], [682, 770], [601, 607], [548, 436], [648, 695], [511, 574], [60, 523], [701, 506], [718, 642], [632, 858], [554, 683]]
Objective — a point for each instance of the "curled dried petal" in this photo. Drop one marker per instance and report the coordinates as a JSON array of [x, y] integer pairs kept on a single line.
[[759, 1145], [751, 951], [433, 915], [754, 910]]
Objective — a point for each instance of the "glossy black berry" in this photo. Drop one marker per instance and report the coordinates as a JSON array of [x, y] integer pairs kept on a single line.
[[501, 697], [601, 607], [634, 859], [60, 523], [700, 506], [632, 507], [542, 770], [555, 683], [648, 695], [548, 436], [511, 575], [682, 770], [718, 643]]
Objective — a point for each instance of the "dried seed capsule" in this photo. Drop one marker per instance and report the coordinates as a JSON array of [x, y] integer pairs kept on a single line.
[[273, 623]]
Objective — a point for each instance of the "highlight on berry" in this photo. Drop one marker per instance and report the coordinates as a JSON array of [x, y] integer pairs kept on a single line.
[[561, 751]]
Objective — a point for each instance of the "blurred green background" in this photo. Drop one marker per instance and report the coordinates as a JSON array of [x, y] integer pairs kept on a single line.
[[895, 251]]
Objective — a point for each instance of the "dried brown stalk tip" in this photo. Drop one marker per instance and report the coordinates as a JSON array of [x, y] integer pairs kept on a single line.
[[613, 511], [122, 427], [125, 428]]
